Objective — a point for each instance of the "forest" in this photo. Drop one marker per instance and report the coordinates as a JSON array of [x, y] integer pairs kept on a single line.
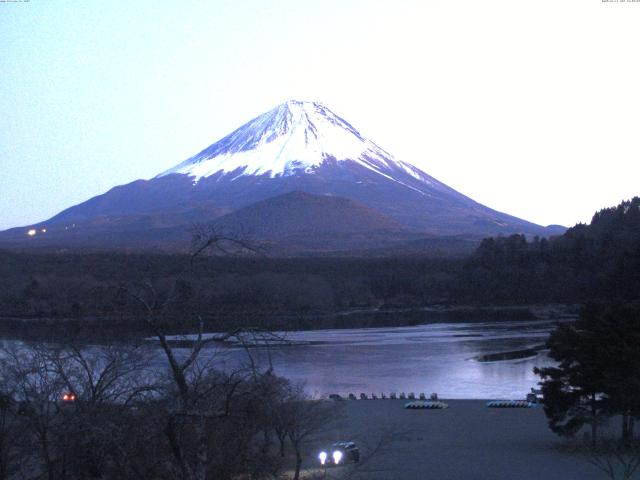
[[600, 260]]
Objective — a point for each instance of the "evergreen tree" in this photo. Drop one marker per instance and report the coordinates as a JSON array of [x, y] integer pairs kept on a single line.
[[598, 372], [619, 328], [573, 391]]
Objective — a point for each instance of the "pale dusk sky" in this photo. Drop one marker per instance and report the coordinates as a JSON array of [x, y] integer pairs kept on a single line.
[[531, 108]]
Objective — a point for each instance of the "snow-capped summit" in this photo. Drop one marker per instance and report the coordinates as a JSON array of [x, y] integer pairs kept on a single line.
[[298, 176], [293, 138]]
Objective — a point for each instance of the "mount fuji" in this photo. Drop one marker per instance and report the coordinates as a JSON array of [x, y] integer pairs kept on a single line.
[[299, 177]]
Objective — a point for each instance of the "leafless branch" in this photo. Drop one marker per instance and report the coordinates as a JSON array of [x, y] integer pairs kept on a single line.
[[217, 240], [617, 461]]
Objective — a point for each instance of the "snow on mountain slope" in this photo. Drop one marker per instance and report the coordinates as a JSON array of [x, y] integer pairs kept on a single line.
[[296, 147], [293, 138]]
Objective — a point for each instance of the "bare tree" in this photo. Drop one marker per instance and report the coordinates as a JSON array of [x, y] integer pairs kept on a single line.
[[28, 376], [109, 374], [9, 432], [72, 406], [209, 238], [618, 461], [193, 379], [302, 419], [104, 382]]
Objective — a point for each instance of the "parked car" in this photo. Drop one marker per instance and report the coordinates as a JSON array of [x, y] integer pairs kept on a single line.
[[340, 453]]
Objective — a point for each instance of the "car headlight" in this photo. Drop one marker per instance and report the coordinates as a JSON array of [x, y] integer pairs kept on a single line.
[[337, 456], [322, 456]]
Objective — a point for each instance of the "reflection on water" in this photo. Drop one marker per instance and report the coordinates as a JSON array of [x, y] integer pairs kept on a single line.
[[426, 358]]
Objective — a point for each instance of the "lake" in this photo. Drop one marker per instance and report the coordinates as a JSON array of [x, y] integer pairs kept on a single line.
[[426, 358], [439, 357]]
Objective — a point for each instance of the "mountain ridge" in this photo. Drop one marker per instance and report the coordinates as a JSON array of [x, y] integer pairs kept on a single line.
[[295, 147]]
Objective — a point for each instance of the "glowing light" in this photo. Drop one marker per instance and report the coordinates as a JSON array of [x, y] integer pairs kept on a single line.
[[44, 230], [32, 232], [323, 457], [337, 456]]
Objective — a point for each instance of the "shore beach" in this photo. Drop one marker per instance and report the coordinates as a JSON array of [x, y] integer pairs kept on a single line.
[[465, 441]]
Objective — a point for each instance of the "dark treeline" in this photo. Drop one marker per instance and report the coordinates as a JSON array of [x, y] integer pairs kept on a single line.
[[588, 262], [89, 287], [600, 261], [597, 372]]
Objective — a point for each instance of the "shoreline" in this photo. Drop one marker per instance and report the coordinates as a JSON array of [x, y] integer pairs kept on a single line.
[[129, 329]]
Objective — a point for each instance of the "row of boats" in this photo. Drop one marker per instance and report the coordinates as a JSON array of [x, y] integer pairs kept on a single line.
[[383, 396], [421, 402]]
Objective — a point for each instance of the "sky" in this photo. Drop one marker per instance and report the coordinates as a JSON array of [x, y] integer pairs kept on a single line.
[[531, 108]]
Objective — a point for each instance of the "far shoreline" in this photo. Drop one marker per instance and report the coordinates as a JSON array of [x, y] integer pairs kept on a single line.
[[118, 329]]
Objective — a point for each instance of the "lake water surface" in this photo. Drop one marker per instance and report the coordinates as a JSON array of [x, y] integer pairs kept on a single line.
[[438, 357], [426, 358]]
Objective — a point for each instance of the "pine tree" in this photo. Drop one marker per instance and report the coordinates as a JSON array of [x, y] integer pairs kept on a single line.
[[598, 372]]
